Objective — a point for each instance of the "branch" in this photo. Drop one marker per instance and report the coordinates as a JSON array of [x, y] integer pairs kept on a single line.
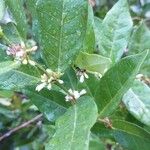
[[25, 124]]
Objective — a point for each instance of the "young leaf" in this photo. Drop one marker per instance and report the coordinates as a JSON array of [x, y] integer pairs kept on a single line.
[[115, 32], [93, 62], [73, 128], [50, 103], [63, 27], [139, 42], [16, 8], [116, 82], [137, 102], [130, 135]]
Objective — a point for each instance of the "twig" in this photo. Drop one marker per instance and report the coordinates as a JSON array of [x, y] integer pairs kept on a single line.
[[25, 124]]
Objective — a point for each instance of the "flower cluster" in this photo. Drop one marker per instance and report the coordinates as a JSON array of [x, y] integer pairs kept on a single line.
[[74, 95], [20, 53], [48, 78]]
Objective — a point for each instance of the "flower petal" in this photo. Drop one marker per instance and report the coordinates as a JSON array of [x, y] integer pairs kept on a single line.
[[86, 76], [49, 86], [82, 78], [61, 81], [82, 92], [40, 87], [76, 94]]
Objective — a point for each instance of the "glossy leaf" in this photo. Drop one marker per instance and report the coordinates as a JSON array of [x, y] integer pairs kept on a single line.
[[63, 27], [131, 136], [16, 8], [116, 81], [93, 62], [137, 101], [139, 42], [50, 103], [73, 128], [115, 32]]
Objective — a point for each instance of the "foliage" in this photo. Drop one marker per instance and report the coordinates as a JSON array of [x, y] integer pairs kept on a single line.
[[74, 75]]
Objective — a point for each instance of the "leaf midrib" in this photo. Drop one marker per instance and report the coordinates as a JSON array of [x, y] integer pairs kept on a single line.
[[74, 126], [60, 37], [124, 85]]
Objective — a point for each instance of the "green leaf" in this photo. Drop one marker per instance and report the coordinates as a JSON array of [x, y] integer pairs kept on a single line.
[[51, 103], [127, 134], [35, 24], [95, 143], [139, 42], [70, 79], [97, 30], [89, 41], [63, 27], [93, 62], [11, 33], [116, 81], [2, 9], [137, 102], [130, 135], [17, 79], [115, 32], [7, 113], [73, 128], [7, 66], [16, 8], [3, 55]]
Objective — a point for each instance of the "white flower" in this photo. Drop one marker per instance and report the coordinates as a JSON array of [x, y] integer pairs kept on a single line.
[[139, 76], [74, 95], [44, 78], [49, 71], [25, 61], [61, 81], [48, 78], [82, 74], [98, 75], [40, 86], [49, 86]]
